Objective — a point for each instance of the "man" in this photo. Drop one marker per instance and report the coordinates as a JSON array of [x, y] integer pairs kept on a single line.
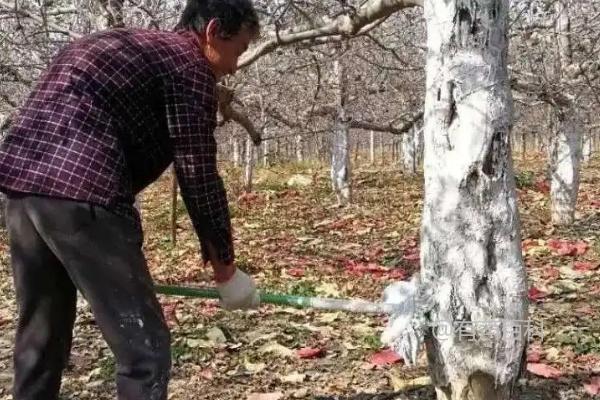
[[112, 111]]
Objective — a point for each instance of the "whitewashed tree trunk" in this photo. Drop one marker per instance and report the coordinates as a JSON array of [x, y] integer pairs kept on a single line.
[[566, 151], [419, 145], [266, 155], [372, 147], [523, 143], [340, 144], [299, 148], [248, 165], [588, 147], [472, 268], [565, 166], [409, 152], [237, 159], [381, 148]]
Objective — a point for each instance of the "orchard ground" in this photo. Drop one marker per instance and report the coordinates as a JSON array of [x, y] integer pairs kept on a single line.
[[294, 240]]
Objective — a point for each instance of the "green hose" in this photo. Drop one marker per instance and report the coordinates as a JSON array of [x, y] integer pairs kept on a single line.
[[352, 305], [212, 293]]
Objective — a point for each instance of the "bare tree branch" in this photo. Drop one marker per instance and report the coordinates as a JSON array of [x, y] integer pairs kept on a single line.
[[344, 25]]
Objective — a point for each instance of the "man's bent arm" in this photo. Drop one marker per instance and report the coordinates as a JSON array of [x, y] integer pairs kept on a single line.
[[191, 119]]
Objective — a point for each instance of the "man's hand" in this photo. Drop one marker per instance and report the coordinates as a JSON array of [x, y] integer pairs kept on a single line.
[[239, 292]]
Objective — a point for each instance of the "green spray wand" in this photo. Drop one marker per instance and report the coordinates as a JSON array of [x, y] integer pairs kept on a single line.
[[352, 305]]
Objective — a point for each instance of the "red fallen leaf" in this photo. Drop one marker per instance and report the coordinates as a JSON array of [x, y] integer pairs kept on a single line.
[[310, 352], [355, 268], [581, 247], [385, 357], [584, 266], [534, 354], [398, 274], [296, 272], [568, 248], [412, 256], [169, 311], [535, 294], [542, 186], [554, 243], [595, 203], [544, 370], [593, 388]]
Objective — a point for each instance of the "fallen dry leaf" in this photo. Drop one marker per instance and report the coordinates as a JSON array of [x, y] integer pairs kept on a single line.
[[544, 370], [265, 396], [385, 357], [310, 352], [593, 387], [276, 348], [535, 294], [294, 377], [400, 384], [584, 266], [534, 354]]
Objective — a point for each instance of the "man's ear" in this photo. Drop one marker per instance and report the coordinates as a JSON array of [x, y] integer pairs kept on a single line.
[[212, 30]]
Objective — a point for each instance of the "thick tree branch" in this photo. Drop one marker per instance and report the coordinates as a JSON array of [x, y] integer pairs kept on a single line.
[[225, 98], [344, 25]]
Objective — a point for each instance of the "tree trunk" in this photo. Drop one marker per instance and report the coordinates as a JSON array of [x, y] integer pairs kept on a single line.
[[299, 148], [565, 165], [472, 269], [382, 148], [588, 147], [566, 151], [237, 159], [340, 149], [248, 165], [372, 147], [419, 145], [409, 153], [523, 144], [266, 154]]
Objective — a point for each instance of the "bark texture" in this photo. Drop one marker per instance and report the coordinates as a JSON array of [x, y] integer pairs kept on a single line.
[[473, 276]]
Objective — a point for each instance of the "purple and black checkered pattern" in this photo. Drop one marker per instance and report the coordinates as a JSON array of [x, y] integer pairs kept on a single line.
[[112, 111]]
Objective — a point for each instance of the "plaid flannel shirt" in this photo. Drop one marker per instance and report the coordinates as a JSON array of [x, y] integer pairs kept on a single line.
[[111, 112]]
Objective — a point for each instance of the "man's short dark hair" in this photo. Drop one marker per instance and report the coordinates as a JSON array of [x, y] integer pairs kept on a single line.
[[232, 16]]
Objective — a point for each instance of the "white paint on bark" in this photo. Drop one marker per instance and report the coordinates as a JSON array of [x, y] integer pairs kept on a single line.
[[248, 165], [372, 147], [409, 151], [299, 148], [236, 151], [588, 147], [565, 166], [340, 144], [566, 155], [472, 268]]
